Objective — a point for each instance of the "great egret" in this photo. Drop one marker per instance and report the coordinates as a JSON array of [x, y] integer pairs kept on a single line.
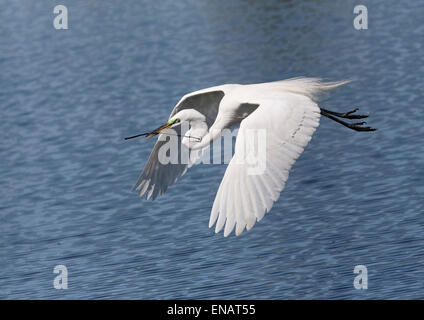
[[286, 109]]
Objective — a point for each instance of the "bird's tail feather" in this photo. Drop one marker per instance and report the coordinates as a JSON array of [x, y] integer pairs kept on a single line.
[[310, 87]]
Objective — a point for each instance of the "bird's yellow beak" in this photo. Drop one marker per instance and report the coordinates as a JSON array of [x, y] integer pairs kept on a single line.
[[155, 132], [159, 130]]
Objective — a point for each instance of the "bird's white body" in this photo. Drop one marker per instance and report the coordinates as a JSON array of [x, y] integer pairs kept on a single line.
[[286, 111]]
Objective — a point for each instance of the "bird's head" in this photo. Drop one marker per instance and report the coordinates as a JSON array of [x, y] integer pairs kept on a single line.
[[186, 116], [172, 122]]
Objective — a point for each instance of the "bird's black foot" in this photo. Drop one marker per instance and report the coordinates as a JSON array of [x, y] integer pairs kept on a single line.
[[357, 126], [347, 115]]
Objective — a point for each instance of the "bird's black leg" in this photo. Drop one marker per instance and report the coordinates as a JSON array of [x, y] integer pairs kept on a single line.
[[346, 115], [357, 126]]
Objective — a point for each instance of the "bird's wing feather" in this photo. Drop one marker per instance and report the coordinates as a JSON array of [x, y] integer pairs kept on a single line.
[[207, 103], [244, 196], [156, 176]]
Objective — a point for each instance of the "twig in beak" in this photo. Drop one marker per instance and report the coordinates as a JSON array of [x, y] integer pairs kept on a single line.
[[148, 134], [138, 135]]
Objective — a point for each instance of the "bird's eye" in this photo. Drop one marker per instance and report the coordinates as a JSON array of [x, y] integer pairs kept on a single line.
[[174, 121]]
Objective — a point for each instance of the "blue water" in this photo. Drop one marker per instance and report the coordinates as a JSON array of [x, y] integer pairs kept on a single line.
[[68, 97]]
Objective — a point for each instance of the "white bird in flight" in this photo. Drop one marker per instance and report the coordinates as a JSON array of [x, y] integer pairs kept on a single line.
[[286, 109]]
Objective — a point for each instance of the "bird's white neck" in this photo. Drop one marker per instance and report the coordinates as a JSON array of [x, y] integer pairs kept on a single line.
[[215, 131]]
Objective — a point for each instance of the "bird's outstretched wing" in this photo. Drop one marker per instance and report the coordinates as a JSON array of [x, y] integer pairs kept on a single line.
[[247, 192], [156, 176]]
